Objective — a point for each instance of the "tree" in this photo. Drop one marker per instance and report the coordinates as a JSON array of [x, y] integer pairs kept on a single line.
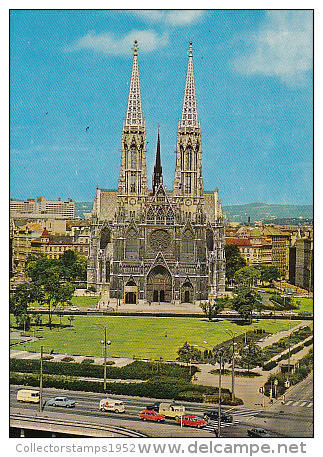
[[21, 297], [268, 273], [23, 321], [234, 260], [212, 307], [71, 319], [187, 353], [250, 355], [247, 275], [38, 319], [244, 300]]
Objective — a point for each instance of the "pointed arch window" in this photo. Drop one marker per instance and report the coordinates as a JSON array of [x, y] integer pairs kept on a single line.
[[160, 216], [170, 217], [131, 242], [105, 237], [188, 242], [133, 181], [150, 216], [133, 158], [189, 158]]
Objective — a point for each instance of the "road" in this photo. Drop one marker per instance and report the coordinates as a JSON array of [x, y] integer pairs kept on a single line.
[[295, 420], [295, 417]]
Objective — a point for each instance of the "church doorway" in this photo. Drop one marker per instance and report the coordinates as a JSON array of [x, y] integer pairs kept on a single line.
[[130, 298], [130, 293], [159, 285], [187, 292]]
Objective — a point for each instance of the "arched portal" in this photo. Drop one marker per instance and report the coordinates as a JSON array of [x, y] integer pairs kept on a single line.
[[187, 292], [159, 285], [130, 292]]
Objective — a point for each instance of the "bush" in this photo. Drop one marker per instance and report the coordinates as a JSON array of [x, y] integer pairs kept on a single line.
[[135, 370], [269, 366], [87, 361], [162, 387], [67, 359]]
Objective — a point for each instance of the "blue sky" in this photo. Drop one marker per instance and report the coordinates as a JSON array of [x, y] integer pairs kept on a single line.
[[253, 73]]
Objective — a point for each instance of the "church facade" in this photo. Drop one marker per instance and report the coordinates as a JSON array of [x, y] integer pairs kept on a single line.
[[158, 245]]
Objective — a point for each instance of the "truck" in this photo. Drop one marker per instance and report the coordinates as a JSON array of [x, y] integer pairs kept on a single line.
[[171, 410]]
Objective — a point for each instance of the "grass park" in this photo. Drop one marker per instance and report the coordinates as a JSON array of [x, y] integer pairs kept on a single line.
[[142, 337]]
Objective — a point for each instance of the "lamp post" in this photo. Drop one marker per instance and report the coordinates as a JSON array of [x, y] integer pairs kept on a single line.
[[219, 410], [106, 343], [288, 373], [41, 380], [232, 334]]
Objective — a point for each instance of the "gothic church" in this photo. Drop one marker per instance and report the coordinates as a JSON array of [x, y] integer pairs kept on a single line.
[[158, 245]]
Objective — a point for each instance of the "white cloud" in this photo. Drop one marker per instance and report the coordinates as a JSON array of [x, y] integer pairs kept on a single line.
[[282, 47], [178, 17], [107, 43]]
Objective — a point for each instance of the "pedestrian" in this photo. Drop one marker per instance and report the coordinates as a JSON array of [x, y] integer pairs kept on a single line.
[[216, 433]]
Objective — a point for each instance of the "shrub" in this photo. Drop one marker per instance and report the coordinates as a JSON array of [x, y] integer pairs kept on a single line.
[[67, 359], [135, 370], [87, 361], [269, 366]]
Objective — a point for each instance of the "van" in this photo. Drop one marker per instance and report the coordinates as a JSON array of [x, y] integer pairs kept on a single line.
[[171, 410], [30, 396], [108, 404]]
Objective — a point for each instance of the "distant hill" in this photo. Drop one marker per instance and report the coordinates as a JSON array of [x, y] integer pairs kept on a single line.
[[291, 214], [267, 212], [83, 207]]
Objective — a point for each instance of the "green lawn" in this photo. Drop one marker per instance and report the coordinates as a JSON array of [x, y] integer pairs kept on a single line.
[[145, 337], [85, 301], [306, 304]]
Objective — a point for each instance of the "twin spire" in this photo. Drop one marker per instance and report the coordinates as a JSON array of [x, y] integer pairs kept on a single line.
[[134, 117]]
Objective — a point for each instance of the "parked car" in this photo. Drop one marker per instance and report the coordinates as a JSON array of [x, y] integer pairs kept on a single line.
[[74, 308], [214, 415], [191, 421], [147, 415], [153, 407], [108, 404], [258, 433], [61, 401], [93, 309]]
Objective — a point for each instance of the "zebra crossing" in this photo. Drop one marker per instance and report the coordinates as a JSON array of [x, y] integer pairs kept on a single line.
[[241, 412], [302, 403]]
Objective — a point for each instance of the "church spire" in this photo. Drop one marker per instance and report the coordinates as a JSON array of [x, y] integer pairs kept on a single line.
[[134, 111], [189, 111], [158, 169]]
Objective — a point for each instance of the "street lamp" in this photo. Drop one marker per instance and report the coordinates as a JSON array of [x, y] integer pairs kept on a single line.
[[232, 334], [219, 411], [106, 343]]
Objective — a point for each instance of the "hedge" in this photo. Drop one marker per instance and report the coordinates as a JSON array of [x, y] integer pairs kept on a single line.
[[162, 387], [134, 370], [305, 367]]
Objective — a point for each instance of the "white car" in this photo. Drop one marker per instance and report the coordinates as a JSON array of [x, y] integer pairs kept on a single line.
[[74, 308], [109, 404]]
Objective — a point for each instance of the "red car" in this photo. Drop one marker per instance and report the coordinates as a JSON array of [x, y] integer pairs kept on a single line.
[[192, 421], [151, 416]]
